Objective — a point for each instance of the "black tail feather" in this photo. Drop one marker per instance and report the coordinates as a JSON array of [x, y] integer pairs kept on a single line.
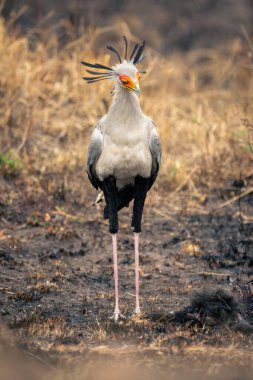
[[124, 197]]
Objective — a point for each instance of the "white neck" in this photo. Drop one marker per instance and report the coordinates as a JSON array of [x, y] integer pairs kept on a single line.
[[125, 105]]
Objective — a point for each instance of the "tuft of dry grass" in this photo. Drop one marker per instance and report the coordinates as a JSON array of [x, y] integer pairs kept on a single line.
[[54, 327], [34, 292], [192, 248]]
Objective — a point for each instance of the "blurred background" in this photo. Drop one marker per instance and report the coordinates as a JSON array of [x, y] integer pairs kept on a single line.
[[168, 26]]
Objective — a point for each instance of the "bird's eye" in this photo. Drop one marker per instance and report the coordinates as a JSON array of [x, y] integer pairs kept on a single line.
[[124, 79], [138, 76]]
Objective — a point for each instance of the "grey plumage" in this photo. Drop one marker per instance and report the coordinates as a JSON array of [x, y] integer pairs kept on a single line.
[[94, 152], [124, 154], [125, 143], [156, 152], [96, 146]]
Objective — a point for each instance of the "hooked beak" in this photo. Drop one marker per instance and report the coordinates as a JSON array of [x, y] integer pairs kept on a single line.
[[133, 87], [136, 90]]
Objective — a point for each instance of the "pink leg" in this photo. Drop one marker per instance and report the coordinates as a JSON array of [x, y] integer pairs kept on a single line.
[[116, 276], [136, 251]]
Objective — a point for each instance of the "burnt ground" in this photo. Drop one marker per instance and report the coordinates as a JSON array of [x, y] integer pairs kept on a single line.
[[57, 276]]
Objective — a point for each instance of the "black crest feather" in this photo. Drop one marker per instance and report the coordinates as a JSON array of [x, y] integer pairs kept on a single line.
[[96, 66], [94, 79], [134, 50], [139, 53], [135, 57], [98, 72], [126, 46], [111, 48]]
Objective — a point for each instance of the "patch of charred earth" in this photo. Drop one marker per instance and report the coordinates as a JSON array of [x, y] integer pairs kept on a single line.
[[57, 276]]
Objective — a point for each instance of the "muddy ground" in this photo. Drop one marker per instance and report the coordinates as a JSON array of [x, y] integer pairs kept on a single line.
[[56, 285]]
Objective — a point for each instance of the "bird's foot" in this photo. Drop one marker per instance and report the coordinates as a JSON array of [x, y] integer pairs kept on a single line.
[[117, 316]]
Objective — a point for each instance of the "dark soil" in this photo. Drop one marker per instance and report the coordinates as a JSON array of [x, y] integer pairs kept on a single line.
[[58, 261], [57, 274]]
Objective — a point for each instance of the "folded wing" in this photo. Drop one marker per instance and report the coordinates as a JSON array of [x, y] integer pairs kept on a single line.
[[94, 152], [156, 152]]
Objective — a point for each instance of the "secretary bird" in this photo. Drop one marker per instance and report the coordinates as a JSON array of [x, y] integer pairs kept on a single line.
[[124, 152]]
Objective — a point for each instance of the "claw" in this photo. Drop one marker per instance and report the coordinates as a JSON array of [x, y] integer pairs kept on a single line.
[[117, 317]]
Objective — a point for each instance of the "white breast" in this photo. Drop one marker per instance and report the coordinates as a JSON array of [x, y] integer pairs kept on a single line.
[[125, 153]]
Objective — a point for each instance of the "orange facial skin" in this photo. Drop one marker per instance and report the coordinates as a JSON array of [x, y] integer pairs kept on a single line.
[[129, 84], [127, 81]]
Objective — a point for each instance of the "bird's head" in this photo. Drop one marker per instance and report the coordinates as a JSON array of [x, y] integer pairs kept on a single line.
[[125, 74]]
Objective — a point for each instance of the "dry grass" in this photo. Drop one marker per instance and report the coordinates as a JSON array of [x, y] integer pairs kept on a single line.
[[55, 328], [34, 292], [47, 113]]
